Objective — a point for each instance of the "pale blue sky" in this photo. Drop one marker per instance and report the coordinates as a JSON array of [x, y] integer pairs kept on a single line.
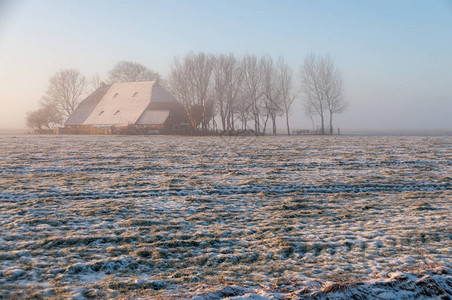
[[395, 56]]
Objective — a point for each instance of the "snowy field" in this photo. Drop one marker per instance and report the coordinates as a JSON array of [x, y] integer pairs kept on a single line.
[[115, 216]]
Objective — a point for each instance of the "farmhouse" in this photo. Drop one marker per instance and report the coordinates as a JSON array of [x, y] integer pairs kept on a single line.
[[128, 108]]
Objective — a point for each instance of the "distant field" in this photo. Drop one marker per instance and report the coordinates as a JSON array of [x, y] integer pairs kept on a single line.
[[107, 216], [13, 131]]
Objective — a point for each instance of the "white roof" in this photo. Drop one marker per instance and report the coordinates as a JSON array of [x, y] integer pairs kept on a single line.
[[128, 103], [123, 104]]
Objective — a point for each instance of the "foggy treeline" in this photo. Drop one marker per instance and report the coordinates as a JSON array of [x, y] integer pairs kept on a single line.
[[234, 91], [220, 93]]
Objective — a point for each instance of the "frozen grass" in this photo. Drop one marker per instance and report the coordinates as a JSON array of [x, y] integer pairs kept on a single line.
[[156, 216], [432, 282]]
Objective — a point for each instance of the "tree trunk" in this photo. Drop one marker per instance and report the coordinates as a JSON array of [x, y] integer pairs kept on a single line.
[[214, 125], [331, 123], [265, 125], [228, 122], [223, 121], [257, 128], [312, 122], [232, 121], [287, 122], [274, 124], [322, 129]]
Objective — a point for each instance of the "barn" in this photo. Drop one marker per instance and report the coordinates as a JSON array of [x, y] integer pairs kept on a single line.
[[128, 108]]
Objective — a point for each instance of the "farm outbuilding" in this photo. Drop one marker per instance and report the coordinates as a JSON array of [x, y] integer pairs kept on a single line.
[[129, 108]]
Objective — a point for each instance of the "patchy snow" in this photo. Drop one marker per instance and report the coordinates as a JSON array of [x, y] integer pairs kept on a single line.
[[430, 283], [108, 216]]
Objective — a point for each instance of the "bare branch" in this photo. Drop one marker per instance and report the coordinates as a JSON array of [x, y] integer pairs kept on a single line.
[[226, 88], [322, 87], [285, 78], [252, 88], [65, 90], [127, 71], [46, 117], [190, 82]]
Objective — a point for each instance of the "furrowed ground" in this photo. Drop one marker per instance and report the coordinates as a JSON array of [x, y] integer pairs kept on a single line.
[[109, 216]]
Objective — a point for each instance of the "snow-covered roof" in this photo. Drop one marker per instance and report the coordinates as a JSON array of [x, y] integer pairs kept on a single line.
[[85, 108], [123, 104]]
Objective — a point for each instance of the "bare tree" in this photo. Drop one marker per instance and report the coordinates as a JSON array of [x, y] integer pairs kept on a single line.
[[252, 88], [272, 92], [44, 118], [310, 73], [190, 82], [94, 82], [219, 89], [127, 71], [202, 72], [65, 90], [285, 81], [322, 86], [227, 83], [179, 83], [332, 90], [243, 110]]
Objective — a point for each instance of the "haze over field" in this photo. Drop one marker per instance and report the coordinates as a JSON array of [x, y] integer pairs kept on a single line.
[[395, 57]]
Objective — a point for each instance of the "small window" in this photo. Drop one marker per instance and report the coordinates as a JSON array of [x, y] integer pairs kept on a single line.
[[100, 113], [134, 95], [116, 113], [115, 95]]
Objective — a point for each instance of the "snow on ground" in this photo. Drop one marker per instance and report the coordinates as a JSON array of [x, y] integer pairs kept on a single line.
[[109, 216], [426, 283]]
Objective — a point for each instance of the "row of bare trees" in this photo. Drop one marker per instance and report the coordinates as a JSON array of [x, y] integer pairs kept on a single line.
[[254, 90], [238, 91]]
